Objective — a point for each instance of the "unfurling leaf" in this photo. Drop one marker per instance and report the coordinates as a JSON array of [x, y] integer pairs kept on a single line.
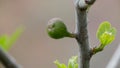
[[106, 33], [60, 65], [72, 63]]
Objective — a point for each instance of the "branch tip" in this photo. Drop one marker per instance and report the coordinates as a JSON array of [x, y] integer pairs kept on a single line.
[[90, 2], [84, 4]]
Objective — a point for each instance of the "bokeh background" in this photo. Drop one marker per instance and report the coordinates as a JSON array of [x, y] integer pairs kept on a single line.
[[34, 49]]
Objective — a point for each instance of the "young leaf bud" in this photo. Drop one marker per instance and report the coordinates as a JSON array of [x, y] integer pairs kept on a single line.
[[106, 33], [57, 29]]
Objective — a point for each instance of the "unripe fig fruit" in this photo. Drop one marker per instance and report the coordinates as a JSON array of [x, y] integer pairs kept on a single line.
[[57, 29]]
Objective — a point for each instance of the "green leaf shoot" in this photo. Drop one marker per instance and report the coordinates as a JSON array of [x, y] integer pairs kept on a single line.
[[106, 33], [72, 63], [60, 65], [7, 41], [4, 39]]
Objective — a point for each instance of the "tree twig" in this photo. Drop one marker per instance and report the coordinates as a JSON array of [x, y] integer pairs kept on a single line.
[[115, 59], [7, 60], [82, 39], [82, 33]]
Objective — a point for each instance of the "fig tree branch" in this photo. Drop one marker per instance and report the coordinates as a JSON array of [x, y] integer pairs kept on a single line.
[[7, 60], [82, 32]]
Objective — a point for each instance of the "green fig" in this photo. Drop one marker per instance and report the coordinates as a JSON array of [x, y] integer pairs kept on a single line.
[[57, 29]]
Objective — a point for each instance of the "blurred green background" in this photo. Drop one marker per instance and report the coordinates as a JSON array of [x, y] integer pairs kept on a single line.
[[34, 49]]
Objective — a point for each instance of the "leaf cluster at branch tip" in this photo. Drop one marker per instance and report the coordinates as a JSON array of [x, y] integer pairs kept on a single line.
[[72, 63], [106, 33]]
